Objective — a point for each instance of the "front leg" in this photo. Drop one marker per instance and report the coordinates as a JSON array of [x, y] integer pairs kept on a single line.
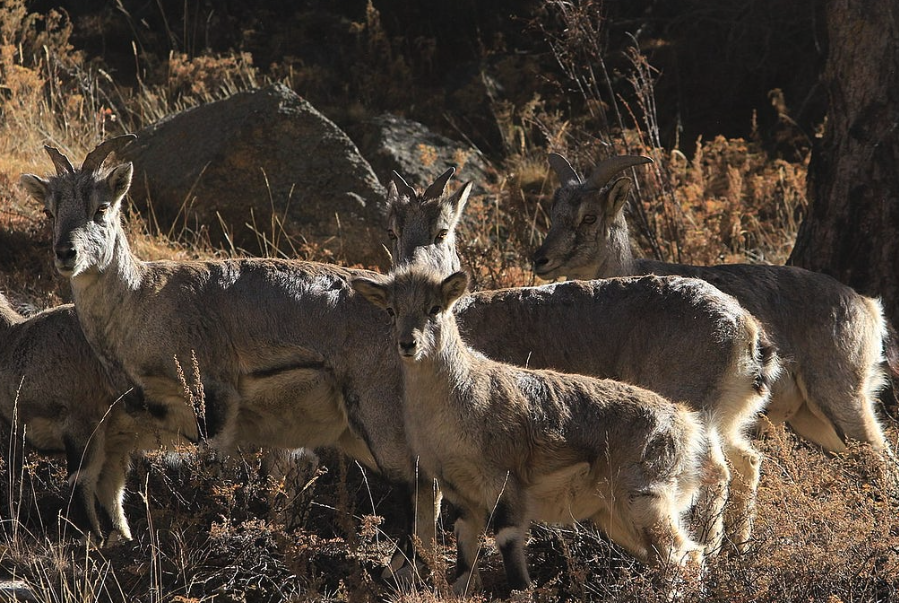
[[84, 464], [511, 523], [423, 507], [469, 527]]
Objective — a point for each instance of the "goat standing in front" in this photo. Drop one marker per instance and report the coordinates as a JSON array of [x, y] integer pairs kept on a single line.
[[521, 445], [287, 355], [679, 337], [831, 340]]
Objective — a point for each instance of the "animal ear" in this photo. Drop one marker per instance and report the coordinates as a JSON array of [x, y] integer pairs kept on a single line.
[[617, 197], [36, 186], [458, 200], [402, 187], [438, 186], [453, 287], [119, 180], [371, 290]]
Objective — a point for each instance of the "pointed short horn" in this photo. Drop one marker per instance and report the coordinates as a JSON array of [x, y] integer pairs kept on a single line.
[[95, 158], [604, 170], [436, 189], [563, 169], [403, 187], [62, 163]]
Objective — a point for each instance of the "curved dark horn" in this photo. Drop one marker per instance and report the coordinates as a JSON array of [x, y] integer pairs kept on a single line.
[[402, 187], [436, 189], [62, 163], [563, 169], [95, 158], [604, 170]]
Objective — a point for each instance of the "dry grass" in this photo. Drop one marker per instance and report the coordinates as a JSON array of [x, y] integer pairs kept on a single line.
[[212, 529]]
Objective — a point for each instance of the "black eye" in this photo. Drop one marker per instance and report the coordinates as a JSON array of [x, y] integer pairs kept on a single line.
[[588, 219], [391, 235], [435, 310], [101, 211], [48, 213], [440, 236], [390, 312]]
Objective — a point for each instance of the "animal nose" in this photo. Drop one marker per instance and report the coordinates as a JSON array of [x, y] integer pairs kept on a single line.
[[540, 260], [65, 252], [407, 348]]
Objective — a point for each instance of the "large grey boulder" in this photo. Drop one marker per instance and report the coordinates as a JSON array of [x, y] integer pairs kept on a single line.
[[261, 170], [418, 154]]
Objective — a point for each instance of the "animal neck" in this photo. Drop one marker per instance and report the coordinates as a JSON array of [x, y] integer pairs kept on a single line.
[[447, 367], [443, 260], [117, 272], [450, 258], [618, 259]]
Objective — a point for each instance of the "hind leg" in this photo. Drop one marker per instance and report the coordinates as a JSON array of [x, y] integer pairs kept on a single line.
[[659, 521], [649, 527], [816, 428], [831, 416], [859, 422], [744, 485], [839, 407], [710, 507], [111, 492]]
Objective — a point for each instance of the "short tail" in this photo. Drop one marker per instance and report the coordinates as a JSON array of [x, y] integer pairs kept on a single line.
[[889, 395], [891, 350], [768, 363]]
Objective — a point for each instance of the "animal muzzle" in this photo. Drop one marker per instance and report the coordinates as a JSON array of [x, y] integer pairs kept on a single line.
[[65, 256], [407, 348], [543, 264]]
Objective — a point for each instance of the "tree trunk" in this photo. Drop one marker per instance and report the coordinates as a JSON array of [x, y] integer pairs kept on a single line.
[[852, 228]]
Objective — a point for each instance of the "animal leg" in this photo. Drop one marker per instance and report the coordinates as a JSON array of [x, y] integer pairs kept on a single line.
[[744, 485], [425, 507], [84, 465], [713, 498], [111, 491], [816, 428], [511, 525], [656, 519], [469, 527]]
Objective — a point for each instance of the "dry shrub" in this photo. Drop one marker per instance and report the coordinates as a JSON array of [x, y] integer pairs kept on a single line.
[[729, 203], [50, 93], [227, 530], [183, 82], [826, 527], [206, 78]]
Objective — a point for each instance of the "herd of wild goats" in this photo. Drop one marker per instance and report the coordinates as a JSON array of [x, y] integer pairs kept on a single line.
[[624, 398]]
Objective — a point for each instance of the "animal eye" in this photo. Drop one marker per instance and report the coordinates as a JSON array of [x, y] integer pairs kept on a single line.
[[391, 313], [101, 211], [440, 236], [588, 219], [435, 310], [48, 213], [391, 235]]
